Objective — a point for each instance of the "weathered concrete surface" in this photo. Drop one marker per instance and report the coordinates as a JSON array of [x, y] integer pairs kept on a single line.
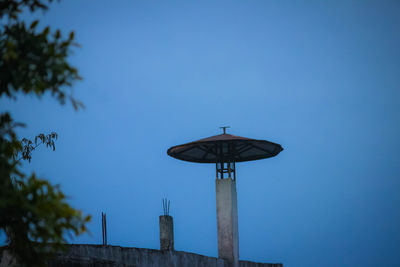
[[166, 232], [227, 221], [257, 264], [113, 256]]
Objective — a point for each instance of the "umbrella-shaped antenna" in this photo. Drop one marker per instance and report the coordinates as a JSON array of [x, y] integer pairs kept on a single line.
[[225, 150]]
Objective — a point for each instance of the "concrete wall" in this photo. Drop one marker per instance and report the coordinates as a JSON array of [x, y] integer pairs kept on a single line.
[[113, 256]]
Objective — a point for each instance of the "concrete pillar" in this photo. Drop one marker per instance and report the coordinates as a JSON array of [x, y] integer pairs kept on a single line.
[[227, 220], [166, 232]]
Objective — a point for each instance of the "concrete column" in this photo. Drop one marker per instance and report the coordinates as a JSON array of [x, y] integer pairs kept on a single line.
[[227, 220], [166, 233]]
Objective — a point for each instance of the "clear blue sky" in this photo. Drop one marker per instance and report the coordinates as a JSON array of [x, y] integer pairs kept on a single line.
[[322, 78]]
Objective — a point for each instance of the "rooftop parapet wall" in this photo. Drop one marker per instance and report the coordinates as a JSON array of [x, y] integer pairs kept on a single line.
[[114, 256]]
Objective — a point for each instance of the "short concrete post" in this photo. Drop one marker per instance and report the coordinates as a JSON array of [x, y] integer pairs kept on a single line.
[[166, 233], [227, 220]]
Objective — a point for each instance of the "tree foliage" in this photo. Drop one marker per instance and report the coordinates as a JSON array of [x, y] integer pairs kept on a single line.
[[28, 146], [34, 214], [32, 61]]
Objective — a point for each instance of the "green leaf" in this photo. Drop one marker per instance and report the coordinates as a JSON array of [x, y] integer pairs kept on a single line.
[[34, 24], [46, 30]]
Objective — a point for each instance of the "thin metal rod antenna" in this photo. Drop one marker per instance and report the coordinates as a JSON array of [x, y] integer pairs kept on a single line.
[[224, 128], [104, 228], [166, 204]]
